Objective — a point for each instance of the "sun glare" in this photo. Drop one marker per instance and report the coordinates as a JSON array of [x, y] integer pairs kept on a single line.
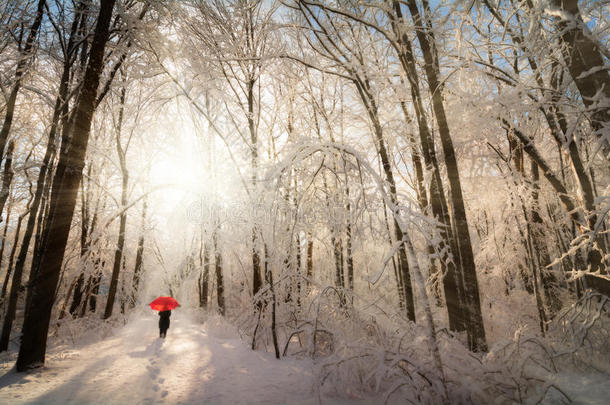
[[182, 171], [179, 170]]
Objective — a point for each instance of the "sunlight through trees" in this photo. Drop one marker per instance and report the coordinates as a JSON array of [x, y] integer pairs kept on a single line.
[[413, 191]]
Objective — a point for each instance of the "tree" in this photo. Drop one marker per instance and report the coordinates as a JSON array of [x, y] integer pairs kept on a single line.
[[137, 271], [118, 253], [64, 192], [585, 63]]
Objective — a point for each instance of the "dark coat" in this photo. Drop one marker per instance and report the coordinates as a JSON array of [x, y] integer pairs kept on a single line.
[[164, 319]]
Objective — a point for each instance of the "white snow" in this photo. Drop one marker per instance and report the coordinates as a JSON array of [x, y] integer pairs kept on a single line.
[[194, 364], [198, 363], [585, 389]]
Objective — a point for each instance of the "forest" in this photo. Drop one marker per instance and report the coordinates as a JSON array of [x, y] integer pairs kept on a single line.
[[407, 198]]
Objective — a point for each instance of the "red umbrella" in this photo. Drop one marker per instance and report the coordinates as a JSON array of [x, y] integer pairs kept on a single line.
[[164, 304]]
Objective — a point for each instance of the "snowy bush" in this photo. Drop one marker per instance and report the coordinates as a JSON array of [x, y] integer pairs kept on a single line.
[[582, 332], [85, 330]]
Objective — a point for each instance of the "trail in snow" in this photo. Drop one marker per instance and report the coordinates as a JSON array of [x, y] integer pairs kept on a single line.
[[137, 367]]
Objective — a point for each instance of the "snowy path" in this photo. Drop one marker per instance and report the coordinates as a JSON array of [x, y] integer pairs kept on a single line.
[[189, 366]]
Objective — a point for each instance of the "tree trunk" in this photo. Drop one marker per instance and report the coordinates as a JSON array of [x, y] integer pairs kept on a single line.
[[256, 261], [79, 283], [299, 268], [429, 320], [204, 279], [309, 256], [586, 65], [337, 244], [422, 198], [95, 283], [7, 176], [123, 280], [472, 307], [78, 293], [256, 266], [3, 246], [137, 271], [269, 279], [547, 276], [63, 200], [220, 288], [402, 304], [349, 259], [9, 267]]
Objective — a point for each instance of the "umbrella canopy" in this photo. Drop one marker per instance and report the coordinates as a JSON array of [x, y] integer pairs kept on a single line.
[[164, 304]]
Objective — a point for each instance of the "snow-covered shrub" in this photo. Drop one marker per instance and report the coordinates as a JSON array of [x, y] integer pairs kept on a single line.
[[516, 370], [360, 355], [85, 330], [581, 332], [396, 365]]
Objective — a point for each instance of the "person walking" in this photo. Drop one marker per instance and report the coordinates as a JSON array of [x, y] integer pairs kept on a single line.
[[164, 305], [164, 322]]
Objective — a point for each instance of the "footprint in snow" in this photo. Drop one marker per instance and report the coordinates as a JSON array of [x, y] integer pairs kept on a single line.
[[152, 371]]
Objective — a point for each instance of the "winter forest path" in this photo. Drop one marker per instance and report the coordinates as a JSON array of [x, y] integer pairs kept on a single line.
[[194, 364]]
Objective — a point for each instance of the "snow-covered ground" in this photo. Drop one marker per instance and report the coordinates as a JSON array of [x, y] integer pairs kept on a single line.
[[195, 364]]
